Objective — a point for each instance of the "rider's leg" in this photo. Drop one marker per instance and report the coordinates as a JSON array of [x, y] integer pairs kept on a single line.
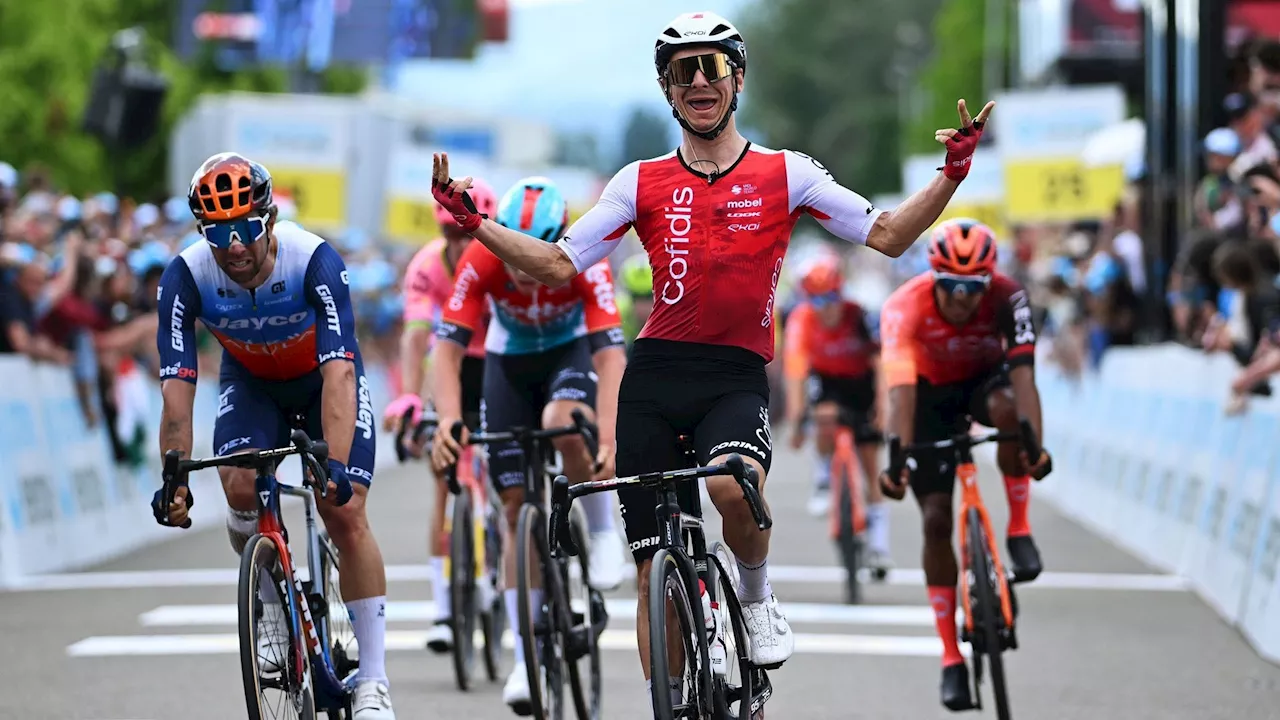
[[439, 637], [1002, 413], [877, 508], [362, 577], [826, 422], [512, 497], [932, 491]]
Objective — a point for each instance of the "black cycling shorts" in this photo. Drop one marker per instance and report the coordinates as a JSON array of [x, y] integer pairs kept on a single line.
[[517, 387], [943, 411], [717, 395], [856, 397], [472, 391]]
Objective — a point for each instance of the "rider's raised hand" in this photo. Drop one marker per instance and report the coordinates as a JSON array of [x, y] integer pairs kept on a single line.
[[452, 194], [962, 143]]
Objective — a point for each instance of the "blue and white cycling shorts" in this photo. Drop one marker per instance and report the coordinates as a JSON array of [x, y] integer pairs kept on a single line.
[[256, 414]]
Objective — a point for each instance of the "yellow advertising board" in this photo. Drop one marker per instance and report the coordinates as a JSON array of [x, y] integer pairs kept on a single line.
[[1060, 189], [320, 196], [990, 214], [411, 220]]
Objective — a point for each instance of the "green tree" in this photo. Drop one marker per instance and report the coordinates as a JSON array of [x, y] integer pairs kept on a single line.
[[48, 52], [648, 135], [821, 80]]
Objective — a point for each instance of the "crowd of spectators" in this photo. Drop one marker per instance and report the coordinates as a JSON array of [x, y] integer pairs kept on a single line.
[[78, 288]]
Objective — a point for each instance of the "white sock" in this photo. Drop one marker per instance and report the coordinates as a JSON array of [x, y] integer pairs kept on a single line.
[[369, 620], [755, 582], [878, 527], [513, 615], [439, 588], [821, 469], [598, 507]]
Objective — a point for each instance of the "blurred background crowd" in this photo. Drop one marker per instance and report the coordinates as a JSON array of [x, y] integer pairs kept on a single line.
[[1155, 217]]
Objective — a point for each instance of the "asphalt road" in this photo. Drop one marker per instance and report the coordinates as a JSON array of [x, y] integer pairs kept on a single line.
[[152, 635]]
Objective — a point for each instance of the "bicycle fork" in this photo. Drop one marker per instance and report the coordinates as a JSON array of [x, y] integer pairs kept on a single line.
[[968, 476]]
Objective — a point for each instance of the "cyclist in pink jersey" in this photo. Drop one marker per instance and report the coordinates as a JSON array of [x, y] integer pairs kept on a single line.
[[428, 284]]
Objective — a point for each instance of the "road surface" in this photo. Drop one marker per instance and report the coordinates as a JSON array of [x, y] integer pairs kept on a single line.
[[152, 635]]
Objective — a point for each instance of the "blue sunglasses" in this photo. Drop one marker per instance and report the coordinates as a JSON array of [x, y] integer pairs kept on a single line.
[[247, 231], [825, 299], [967, 284]]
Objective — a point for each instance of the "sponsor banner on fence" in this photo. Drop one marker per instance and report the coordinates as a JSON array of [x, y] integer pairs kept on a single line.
[[1146, 456]]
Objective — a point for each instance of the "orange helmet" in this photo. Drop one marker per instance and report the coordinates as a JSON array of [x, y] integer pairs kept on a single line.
[[964, 247], [823, 278], [229, 186]]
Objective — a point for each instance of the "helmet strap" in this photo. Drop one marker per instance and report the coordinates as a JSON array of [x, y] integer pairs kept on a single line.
[[714, 132]]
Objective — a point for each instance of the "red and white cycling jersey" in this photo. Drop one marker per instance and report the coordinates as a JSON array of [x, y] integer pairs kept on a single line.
[[716, 245]]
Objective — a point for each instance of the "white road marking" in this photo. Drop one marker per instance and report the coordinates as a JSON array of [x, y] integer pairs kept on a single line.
[[620, 609], [415, 641], [815, 574]]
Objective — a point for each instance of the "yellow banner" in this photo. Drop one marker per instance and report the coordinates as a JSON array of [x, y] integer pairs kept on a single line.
[[320, 196], [411, 220], [1061, 190], [989, 214]]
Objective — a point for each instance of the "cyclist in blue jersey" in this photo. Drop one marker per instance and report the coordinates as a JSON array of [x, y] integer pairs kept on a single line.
[[550, 351], [275, 296]]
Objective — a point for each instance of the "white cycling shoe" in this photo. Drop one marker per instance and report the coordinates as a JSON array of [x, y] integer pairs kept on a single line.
[[372, 701], [516, 692], [440, 637], [605, 560], [819, 503], [772, 641], [273, 638]]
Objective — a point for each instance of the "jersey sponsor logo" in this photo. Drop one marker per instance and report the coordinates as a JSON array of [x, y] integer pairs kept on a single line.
[[361, 473], [330, 309], [755, 213], [617, 336], [338, 354], [346, 279], [171, 371], [232, 444], [737, 444], [744, 227], [175, 325], [816, 164], [598, 276], [467, 274], [679, 224], [745, 204], [277, 288], [767, 320], [764, 433], [646, 542], [258, 323], [159, 292], [538, 313], [224, 401], [1024, 331], [364, 416], [743, 188]]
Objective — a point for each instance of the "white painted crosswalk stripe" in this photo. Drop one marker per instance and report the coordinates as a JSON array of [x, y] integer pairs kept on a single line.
[[620, 610], [778, 574], [415, 640]]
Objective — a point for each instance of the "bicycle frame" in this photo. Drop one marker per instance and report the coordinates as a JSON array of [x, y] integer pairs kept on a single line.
[[971, 499], [469, 481], [316, 638], [845, 458]]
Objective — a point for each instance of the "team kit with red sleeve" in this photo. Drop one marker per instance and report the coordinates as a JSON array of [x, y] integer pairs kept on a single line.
[[954, 367], [539, 345], [837, 360], [698, 366]]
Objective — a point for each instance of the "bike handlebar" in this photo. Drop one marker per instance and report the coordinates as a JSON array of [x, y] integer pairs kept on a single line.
[[899, 453], [563, 494], [314, 453], [581, 426]]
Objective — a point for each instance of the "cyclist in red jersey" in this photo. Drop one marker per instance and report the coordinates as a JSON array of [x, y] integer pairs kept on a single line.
[[959, 346], [715, 217], [428, 282], [828, 347]]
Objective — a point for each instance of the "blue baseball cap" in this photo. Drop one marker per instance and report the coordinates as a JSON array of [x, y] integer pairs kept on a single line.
[[1222, 141]]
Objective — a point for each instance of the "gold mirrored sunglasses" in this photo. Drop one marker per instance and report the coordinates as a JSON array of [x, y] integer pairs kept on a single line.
[[714, 66]]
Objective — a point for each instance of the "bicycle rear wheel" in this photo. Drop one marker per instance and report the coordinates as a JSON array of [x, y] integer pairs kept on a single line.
[[493, 617], [288, 691], [582, 661], [989, 617], [462, 589], [848, 542], [336, 631], [733, 693], [677, 645], [542, 650]]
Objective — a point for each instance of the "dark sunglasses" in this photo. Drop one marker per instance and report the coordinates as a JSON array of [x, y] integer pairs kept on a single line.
[[714, 66], [967, 284], [825, 299], [246, 230]]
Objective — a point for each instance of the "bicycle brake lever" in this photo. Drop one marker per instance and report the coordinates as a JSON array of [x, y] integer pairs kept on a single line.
[[451, 474], [169, 475], [561, 535], [590, 434], [401, 453]]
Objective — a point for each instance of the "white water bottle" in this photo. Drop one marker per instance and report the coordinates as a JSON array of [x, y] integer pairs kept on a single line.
[[715, 643]]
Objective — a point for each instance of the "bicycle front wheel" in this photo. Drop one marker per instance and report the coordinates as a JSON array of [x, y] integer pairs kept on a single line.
[[844, 500], [582, 661], [677, 645], [493, 617], [989, 618], [277, 682], [542, 652], [462, 590], [734, 692]]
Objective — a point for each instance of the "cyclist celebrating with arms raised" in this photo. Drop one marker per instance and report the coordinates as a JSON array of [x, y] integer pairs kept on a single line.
[[546, 349], [276, 297], [428, 281], [715, 217], [956, 341]]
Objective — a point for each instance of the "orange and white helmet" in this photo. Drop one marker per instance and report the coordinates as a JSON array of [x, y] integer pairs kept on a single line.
[[823, 278], [963, 246]]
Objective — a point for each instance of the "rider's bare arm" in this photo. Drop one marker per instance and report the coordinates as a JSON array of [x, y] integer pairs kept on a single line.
[[902, 412], [1027, 398], [175, 417], [328, 294], [609, 363], [338, 407], [898, 366], [608, 343], [1019, 332], [895, 231], [413, 356], [795, 362], [545, 262], [446, 378]]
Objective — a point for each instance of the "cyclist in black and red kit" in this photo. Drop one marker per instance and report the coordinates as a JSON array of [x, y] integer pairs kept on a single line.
[[715, 217]]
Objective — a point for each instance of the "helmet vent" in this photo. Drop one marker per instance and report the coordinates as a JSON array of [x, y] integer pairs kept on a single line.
[[719, 29]]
